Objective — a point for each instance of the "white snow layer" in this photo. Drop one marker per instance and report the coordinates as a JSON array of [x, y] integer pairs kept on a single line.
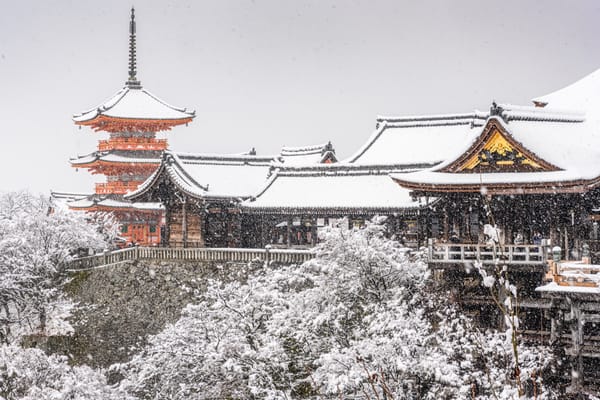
[[333, 191], [135, 103]]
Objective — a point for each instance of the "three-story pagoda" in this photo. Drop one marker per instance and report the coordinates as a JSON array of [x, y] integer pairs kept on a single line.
[[132, 118]]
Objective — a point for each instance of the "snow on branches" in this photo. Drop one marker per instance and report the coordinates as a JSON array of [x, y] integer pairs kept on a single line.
[[35, 242], [360, 321], [29, 374]]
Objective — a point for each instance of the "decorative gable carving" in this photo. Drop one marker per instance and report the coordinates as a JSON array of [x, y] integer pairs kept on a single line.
[[496, 151]]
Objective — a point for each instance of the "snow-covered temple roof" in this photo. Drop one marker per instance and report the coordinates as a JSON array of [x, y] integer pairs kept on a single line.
[[583, 95], [236, 176], [536, 150], [418, 140], [332, 188], [555, 288], [573, 278], [210, 175], [307, 155]]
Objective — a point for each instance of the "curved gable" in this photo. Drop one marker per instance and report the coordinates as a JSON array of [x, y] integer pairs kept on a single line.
[[495, 150]]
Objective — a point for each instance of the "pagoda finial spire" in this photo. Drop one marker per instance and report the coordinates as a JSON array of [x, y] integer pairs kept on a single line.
[[132, 82]]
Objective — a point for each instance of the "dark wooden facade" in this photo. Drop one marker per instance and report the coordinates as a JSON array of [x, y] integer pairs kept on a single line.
[[299, 228], [566, 220], [195, 222]]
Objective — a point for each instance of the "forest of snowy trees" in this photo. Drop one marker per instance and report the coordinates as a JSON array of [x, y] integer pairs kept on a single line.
[[363, 320]]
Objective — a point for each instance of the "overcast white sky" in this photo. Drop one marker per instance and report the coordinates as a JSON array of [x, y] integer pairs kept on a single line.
[[268, 73]]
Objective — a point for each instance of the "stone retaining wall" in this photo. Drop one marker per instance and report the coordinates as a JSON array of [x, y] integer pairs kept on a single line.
[[120, 305]]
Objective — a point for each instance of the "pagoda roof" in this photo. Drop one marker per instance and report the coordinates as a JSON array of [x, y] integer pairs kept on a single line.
[[333, 188], [134, 109], [545, 151], [62, 199], [102, 203], [114, 157]]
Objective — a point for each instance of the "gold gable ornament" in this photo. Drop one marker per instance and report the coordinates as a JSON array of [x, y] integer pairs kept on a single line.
[[499, 155], [497, 151]]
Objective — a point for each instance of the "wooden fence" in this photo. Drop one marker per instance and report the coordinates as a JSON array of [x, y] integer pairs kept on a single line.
[[284, 256], [460, 253]]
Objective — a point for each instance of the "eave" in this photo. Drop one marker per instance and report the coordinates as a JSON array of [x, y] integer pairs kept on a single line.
[[104, 208], [118, 124], [332, 211], [573, 186], [170, 170], [116, 167]]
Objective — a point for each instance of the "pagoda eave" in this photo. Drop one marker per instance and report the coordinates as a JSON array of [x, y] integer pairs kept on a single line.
[[112, 169], [116, 209], [118, 124]]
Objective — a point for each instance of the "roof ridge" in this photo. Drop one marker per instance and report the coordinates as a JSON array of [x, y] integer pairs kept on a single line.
[[349, 169], [119, 93], [190, 157], [433, 117], [180, 109], [300, 149]]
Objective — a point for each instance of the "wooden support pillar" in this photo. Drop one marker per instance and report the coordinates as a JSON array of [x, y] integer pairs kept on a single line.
[[446, 233], [167, 234], [566, 248], [553, 330], [313, 232], [262, 230], [184, 227], [576, 323], [228, 222], [501, 293], [418, 229], [289, 232]]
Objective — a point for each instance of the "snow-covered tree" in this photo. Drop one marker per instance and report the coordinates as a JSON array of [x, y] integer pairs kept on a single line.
[[361, 320], [29, 374], [35, 243]]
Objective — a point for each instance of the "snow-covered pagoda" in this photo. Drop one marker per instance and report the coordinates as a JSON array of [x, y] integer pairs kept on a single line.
[[132, 118]]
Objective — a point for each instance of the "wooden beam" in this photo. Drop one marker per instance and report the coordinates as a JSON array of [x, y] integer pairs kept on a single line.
[[184, 222]]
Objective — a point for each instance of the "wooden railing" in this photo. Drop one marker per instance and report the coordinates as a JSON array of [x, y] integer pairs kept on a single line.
[[285, 256], [461, 253], [132, 144], [116, 187]]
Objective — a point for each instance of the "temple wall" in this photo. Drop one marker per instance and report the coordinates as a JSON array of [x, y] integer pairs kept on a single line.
[[195, 237]]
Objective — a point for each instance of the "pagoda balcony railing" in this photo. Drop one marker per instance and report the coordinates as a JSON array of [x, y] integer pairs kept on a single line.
[[242, 255], [116, 187], [132, 144], [440, 254]]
